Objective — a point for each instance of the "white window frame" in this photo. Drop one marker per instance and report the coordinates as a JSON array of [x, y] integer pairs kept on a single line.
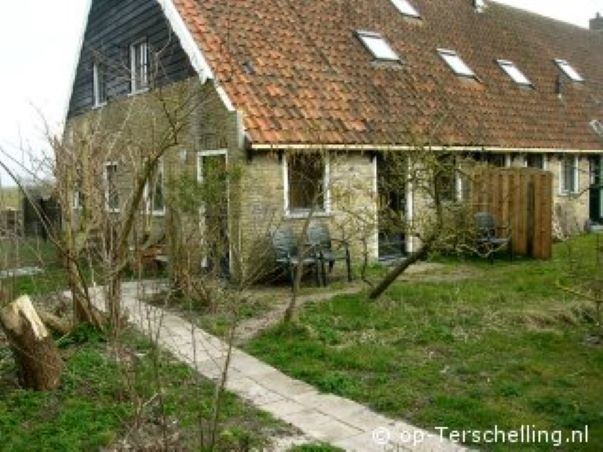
[[563, 190], [406, 8], [456, 64], [77, 204], [200, 156], [304, 213], [514, 73], [369, 37], [107, 188], [569, 70], [96, 87], [508, 160], [148, 193], [134, 88]]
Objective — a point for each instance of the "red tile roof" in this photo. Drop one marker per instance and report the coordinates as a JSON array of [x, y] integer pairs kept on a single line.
[[298, 73]]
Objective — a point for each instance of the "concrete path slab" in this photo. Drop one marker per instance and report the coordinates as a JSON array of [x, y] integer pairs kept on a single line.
[[321, 417]]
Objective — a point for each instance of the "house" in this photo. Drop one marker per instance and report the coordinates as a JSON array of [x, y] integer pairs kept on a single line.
[[309, 94]]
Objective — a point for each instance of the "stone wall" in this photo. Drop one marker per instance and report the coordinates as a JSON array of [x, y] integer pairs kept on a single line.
[[257, 193], [128, 129], [352, 213], [571, 211]]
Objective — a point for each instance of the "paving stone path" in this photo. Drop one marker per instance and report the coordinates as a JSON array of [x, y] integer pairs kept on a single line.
[[322, 417]]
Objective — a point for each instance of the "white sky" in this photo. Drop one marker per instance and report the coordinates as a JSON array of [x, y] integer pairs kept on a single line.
[[39, 41]]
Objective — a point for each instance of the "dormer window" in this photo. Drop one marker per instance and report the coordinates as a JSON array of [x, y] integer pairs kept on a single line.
[[99, 84], [139, 66], [455, 63], [378, 46], [513, 71], [568, 70], [406, 8]]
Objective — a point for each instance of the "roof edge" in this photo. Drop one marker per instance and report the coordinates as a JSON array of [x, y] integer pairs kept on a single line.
[[393, 147], [191, 48], [188, 43], [76, 61]]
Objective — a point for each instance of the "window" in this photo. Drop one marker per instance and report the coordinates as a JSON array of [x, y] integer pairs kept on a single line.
[[513, 71], [155, 192], [446, 182], [139, 66], [568, 177], [406, 8], [111, 188], [78, 199], [99, 84], [497, 160], [569, 70], [455, 63], [378, 46], [306, 177], [535, 161]]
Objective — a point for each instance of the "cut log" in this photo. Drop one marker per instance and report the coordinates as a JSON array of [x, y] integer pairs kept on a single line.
[[38, 361]]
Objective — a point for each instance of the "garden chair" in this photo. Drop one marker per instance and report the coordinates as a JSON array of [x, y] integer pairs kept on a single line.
[[284, 244], [489, 238], [320, 239]]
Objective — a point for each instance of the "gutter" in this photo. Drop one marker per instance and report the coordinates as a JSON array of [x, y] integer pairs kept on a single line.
[[391, 147]]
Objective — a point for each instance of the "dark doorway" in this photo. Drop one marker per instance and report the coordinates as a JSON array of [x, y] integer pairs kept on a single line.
[[596, 189], [391, 185], [213, 176]]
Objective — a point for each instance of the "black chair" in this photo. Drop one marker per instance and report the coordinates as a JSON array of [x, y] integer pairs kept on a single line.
[[284, 244], [489, 240], [320, 239]]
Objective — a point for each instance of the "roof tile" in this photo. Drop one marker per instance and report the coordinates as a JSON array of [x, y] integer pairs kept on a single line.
[[313, 80]]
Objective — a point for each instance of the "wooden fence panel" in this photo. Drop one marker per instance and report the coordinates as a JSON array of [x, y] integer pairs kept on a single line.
[[521, 199]]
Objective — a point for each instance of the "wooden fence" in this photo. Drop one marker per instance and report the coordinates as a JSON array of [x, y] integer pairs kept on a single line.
[[520, 199]]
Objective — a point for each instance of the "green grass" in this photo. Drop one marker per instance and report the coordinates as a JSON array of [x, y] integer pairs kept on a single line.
[[99, 399], [503, 347]]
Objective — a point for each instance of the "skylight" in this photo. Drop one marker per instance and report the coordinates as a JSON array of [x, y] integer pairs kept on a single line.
[[406, 8], [455, 63], [378, 46], [569, 71], [513, 71]]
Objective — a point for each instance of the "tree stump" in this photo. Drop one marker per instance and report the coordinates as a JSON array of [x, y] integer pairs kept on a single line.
[[38, 361]]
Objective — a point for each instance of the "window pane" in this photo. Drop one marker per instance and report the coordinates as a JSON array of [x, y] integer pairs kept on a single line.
[[497, 160], [140, 66], [568, 175], [158, 198], [569, 70], [306, 182], [99, 83], [445, 178], [379, 47], [456, 63], [406, 8], [513, 71], [112, 190], [535, 161]]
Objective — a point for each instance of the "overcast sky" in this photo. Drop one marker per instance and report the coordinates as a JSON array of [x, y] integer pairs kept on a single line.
[[39, 42]]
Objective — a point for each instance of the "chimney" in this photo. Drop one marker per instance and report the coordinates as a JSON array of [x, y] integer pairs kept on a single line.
[[596, 24]]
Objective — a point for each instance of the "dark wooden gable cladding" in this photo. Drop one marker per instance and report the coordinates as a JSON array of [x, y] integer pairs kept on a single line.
[[113, 26]]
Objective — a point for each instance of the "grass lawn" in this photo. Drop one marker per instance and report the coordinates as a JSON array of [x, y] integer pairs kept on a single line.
[[109, 397], [503, 346]]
